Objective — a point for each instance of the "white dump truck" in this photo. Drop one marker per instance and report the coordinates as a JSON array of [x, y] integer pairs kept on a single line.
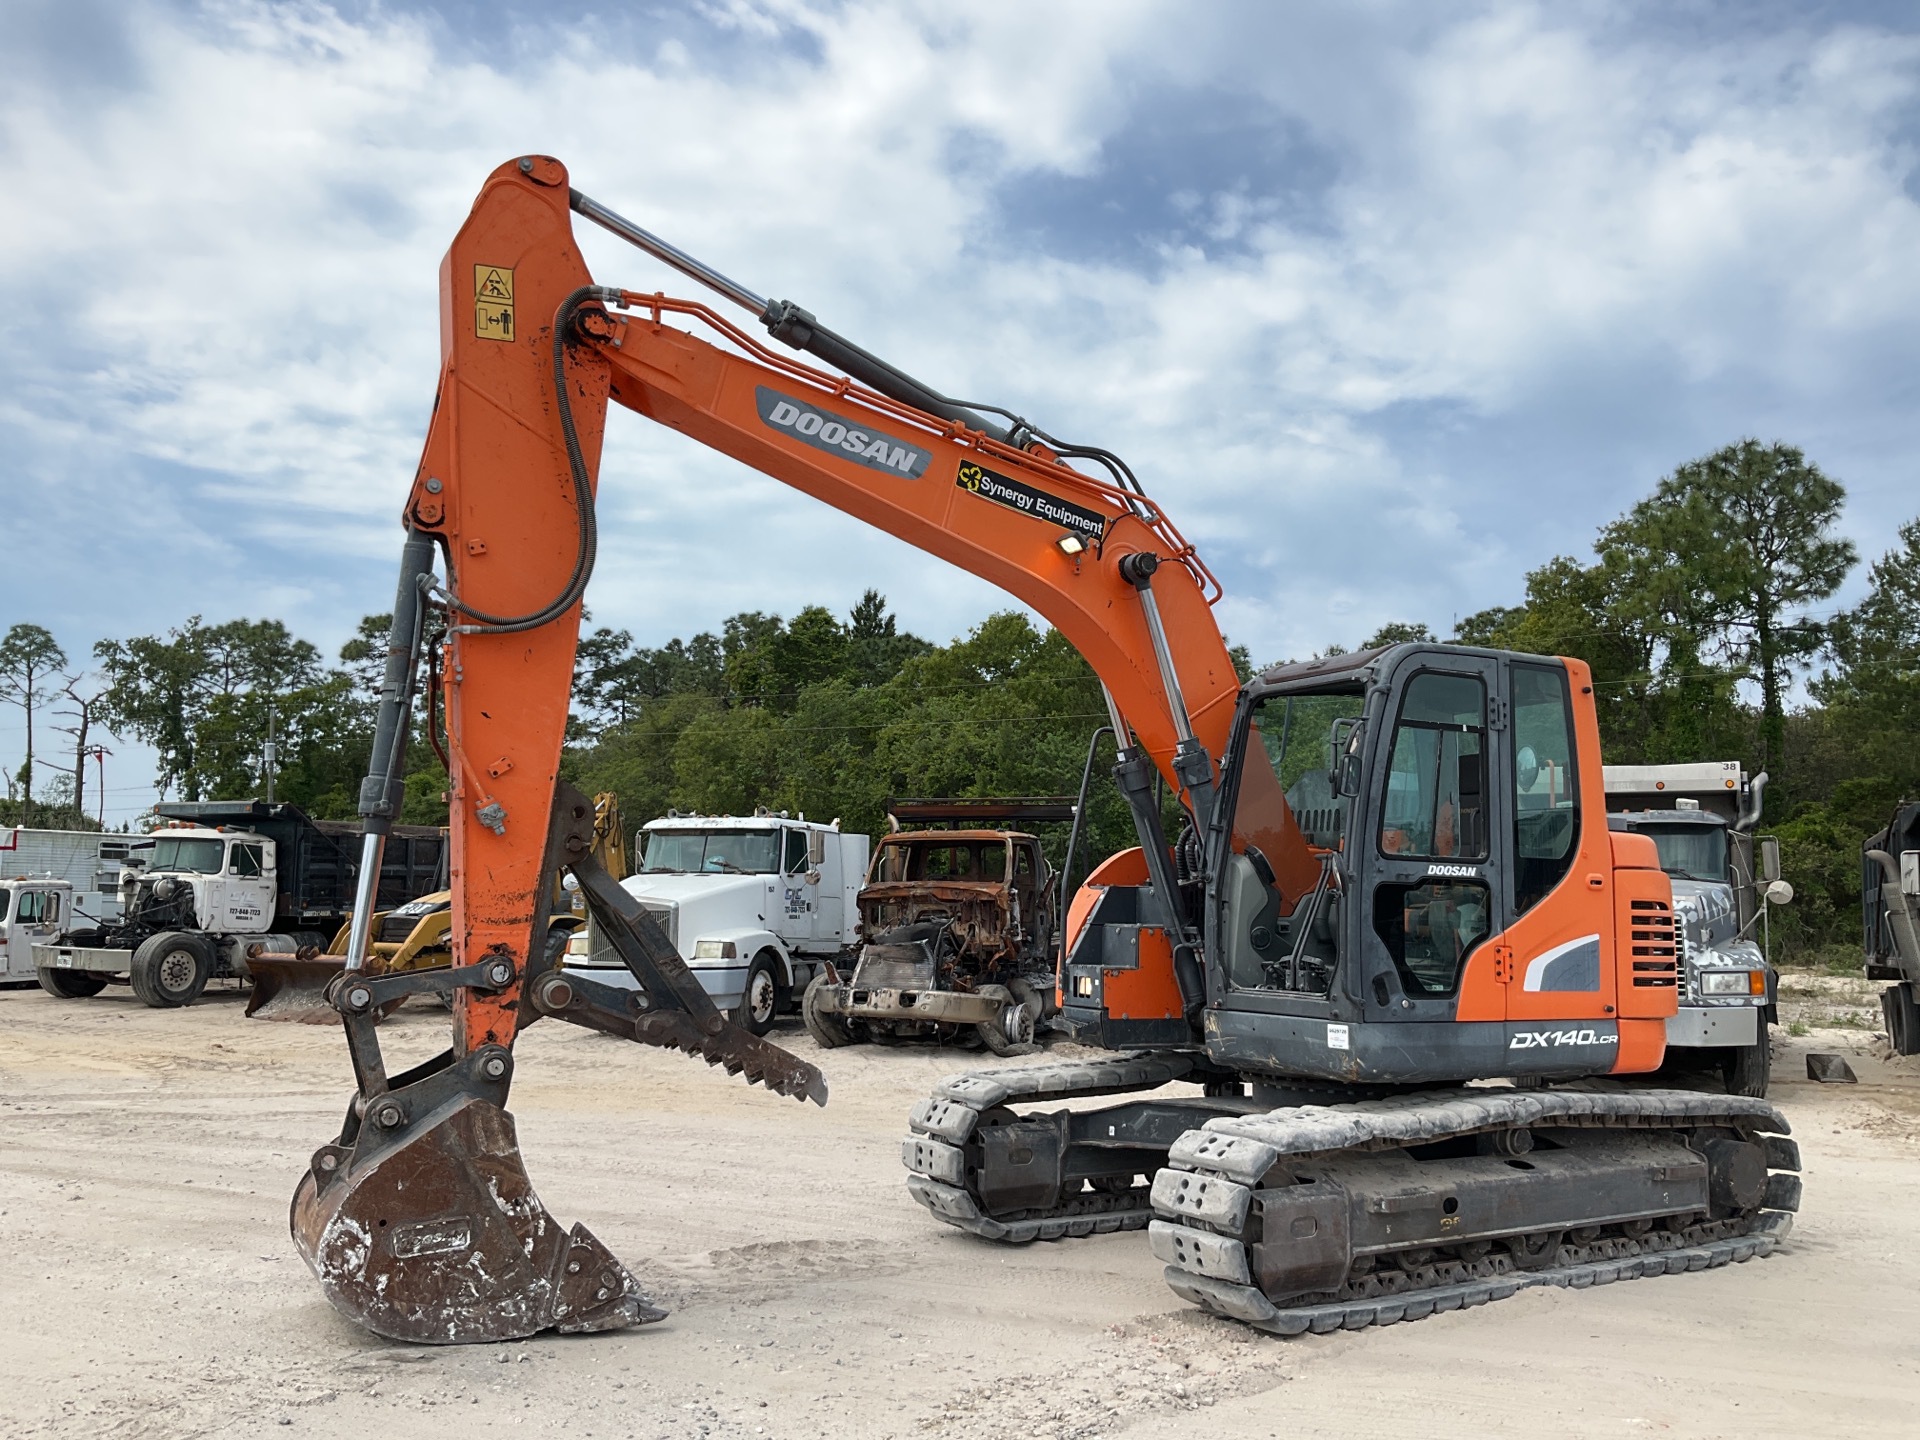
[[1700, 818], [218, 878], [757, 905]]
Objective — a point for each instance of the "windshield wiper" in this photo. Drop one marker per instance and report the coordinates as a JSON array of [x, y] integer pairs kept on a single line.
[[728, 865]]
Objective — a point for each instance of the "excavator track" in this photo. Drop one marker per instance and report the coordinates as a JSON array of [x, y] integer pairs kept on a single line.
[[944, 1124], [1218, 1199]]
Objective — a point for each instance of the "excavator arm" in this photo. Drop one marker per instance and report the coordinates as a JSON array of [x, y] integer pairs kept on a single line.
[[419, 1221]]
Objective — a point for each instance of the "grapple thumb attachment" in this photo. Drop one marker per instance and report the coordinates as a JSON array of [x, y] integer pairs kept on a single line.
[[422, 1225]]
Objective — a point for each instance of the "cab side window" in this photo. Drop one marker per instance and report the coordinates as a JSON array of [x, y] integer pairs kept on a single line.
[[1436, 801], [246, 861], [1430, 929], [38, 907], [796, 852], [1546, 787]]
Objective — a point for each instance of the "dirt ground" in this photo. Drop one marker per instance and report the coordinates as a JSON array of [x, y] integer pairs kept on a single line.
[[148, 1286]]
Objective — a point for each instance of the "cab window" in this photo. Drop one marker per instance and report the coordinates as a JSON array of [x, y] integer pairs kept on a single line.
[[796, 851], [38, 907], [1430, 929], [1436, 803], [1546, 816], [246, 861]]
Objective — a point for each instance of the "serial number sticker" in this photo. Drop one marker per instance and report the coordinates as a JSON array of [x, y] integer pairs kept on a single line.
[[493, 302], [1337, 1038]]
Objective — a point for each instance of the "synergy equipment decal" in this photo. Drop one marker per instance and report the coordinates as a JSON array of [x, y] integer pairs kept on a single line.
[[1016, 495], [838, 435]]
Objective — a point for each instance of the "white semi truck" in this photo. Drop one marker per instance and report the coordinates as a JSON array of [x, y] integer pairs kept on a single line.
[[1700, 818], [757, 905]]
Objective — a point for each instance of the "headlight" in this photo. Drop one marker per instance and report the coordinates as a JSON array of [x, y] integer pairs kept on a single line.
[[579, 943], [713, 950], [1732, 982]]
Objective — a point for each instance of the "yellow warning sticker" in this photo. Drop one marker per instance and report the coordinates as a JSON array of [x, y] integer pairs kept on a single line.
[[493, 302]]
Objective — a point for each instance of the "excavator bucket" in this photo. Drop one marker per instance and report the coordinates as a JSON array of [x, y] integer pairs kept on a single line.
[[438, 1238], [293, 988], [420, 1222]]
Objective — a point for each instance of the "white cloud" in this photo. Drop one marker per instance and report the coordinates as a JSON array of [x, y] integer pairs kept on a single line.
[[1552, 253]]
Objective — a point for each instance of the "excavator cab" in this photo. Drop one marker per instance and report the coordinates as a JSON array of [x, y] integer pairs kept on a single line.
[[1466, 896]]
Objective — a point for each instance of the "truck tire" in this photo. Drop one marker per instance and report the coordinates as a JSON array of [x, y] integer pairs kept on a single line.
[[1747, 1068], [1013, 1034], [70, 984], [171, 969], [829, 1031], [760, 999]]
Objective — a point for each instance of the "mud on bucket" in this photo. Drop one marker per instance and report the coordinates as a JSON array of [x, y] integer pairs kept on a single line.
[[429, 1231]]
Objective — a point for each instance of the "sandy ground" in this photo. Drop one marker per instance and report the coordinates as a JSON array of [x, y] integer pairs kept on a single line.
[[148, 1286]]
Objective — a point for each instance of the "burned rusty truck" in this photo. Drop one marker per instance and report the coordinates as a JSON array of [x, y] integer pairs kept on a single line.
[[959, 925], [219, 879]]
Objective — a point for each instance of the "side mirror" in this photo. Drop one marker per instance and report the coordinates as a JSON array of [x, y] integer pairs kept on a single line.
[[1345, 743], [1526, 768], [816, 850], [813, 877], [1769, 858], [1778, 892]]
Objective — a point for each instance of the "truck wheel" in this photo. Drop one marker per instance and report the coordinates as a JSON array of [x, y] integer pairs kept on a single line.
[[1012, 1033], [171, 969], [1903, 1019], [70, 984], [1748, 1067], [760, 1001], [829, 1031]]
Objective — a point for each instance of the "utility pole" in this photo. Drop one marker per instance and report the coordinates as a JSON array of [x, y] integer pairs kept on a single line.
[[99, 754], [270, 753]]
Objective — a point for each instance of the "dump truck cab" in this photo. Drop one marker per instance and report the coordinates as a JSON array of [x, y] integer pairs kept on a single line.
[[196, 877], [1700, 818]]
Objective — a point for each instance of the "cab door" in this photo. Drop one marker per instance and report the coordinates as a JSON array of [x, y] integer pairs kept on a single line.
[[1556, 894], [37, 919], [1435, 838]]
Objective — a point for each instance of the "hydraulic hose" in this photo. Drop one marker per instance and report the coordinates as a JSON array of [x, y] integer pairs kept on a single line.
[[589, 529]]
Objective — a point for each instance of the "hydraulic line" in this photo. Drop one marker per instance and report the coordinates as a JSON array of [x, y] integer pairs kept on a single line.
[[589, 530], [797, 327]]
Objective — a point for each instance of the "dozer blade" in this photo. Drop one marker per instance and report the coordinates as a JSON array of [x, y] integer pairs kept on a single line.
[[293, 988], [429, 1231]]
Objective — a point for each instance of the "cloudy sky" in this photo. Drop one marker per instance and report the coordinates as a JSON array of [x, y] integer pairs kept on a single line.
[[1386, 302]]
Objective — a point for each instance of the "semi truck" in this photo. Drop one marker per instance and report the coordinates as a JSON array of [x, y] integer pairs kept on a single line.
[[757, 905], [1700, 818], [218, 879]]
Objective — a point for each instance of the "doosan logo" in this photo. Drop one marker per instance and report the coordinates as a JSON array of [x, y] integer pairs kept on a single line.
[[837, 435]]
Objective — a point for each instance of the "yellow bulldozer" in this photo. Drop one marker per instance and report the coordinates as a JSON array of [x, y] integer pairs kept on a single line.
[[293, 987]]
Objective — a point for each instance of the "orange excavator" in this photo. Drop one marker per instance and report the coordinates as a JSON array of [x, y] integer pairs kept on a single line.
[[1356, 1018]]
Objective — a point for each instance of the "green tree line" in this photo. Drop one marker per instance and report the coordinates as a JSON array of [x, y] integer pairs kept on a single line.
[[1703, 611]]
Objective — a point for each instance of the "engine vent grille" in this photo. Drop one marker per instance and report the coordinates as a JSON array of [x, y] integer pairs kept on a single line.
[[1653, 946]]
